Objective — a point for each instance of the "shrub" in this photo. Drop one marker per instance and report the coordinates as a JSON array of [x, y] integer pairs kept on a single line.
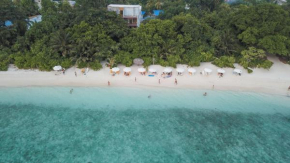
[[173, 60], [66, 63], [194, 62], [4, 60], [224, 61], [82, 64], [96, 65], [147, 61], [163, 63], [249, 71], [124, 58], [265, 64]]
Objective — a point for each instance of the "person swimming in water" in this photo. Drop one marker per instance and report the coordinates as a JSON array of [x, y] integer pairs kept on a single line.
[[149, 96], [204, 94], [71, 91]]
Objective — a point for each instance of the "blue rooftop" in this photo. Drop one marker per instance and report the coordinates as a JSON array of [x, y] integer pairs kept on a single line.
[[8, 23], [143, 12], [157, 12]]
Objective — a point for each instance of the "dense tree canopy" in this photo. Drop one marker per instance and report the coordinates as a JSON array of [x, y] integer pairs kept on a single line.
[[86, 34]]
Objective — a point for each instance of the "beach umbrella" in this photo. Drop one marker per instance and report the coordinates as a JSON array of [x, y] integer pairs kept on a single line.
[[138, 61], [221, 71], [57, 68], [127, 69], [115, 69], [167, 70], [152, 70], [180, 70], [207, 70], [141, 69], [192, 70], [238, 71]]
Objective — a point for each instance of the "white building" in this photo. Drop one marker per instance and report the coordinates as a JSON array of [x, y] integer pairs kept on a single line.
[[131, 13]]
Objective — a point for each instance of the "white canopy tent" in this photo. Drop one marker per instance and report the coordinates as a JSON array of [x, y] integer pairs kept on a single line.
[[238, 71], [115, 69], [141, 69], [167, 70], [57, 68], [191, 70], [127, 69], [207, 70], [221, 71]]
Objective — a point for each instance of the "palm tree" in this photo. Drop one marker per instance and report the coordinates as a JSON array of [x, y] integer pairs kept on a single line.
[[158, 4], [149, 4], [111, 62], [61, 43]]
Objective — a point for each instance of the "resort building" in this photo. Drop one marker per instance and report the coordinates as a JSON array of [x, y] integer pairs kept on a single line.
[[131, 13]]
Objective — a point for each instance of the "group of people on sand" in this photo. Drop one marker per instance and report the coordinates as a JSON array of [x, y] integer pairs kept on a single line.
[[167, 74], [143, 73], [221, 75], [127, 73]]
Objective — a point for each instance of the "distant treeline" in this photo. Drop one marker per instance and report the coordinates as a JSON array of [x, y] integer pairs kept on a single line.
[[86, 34]]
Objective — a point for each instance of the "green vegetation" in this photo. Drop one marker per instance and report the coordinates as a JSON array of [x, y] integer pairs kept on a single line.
[[86, 34]]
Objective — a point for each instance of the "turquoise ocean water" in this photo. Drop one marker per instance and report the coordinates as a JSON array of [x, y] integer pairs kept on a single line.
[[48, 124]]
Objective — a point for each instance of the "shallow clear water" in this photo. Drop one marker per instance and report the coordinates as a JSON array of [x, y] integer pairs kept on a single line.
[[48, 124]]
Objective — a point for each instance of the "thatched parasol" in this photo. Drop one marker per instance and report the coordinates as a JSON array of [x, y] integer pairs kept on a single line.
[[138, 61]]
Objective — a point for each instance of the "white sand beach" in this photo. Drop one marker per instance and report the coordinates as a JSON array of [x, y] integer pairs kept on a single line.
[[273, 81]]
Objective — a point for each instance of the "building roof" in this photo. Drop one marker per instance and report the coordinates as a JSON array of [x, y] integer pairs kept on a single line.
[[121, 5], [8, 23], [36, 18], [157, 12]]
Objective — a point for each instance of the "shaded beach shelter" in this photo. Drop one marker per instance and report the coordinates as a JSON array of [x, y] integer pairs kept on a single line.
[[207, 71], [127, 69], [167, 70], [138, 61], [179, 71], [222, 71], [152, 70], [191, 71], [141, 70], [57, 68], [115, 69], [238, 71]]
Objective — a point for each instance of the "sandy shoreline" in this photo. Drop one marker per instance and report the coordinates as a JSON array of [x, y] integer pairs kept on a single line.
[[273, 81]]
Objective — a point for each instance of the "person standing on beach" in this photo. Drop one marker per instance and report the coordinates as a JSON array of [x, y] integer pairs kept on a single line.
[[135, 79], [289, 88], [159, 81], [109, 83], [212, 86], [76, 74], [175, 81]]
